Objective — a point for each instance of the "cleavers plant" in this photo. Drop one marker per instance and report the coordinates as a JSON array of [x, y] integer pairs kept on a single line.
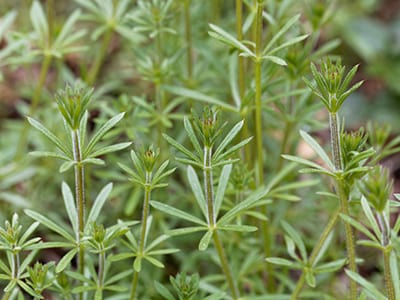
[[228, 203]]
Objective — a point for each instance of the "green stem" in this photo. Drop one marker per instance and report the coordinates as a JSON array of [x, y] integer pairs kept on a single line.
[[209, 186], [239, 34], [343, 198], [94, 70], [80, 198], [101, 269], [143, 230], [225, 266], [188, 36], [314, 254], [6, 296], [388, 274], [209, 194], [258, 112], [34, 104]]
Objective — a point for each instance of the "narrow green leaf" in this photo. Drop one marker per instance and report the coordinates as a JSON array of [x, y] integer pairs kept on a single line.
[[101, 132], [65, 260], [358, 226], [205, 240], [330, 267], [223, 182], [181, 148], [229, 137], [49, 154], [176, 212], [377, 295], [370, 216], [137, 264], [192, 136], [98, 204], [163, 291], [223, 36], [317, 148], [154, 261], [310, 278], [109, 149], [28, 232], [49, 224], [249, 202], [39, 21], [281, 262], [281, 32], [295, 236], [186, 230], [238, 228], [197, 190], [275, 59], [51, 136], [66, 166], [70, 207]]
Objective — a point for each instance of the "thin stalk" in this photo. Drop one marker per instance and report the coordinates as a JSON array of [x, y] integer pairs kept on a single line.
[[344, 199], [208, 185], [388, 273], [188, 37], [143, 230], [101, 269], [6, 296], [239, 34], [99, 60], [266, 234], [80, 198], [258, 112], [314, 254], [225, 266], [34, 104], [386, 251], [209, 194]]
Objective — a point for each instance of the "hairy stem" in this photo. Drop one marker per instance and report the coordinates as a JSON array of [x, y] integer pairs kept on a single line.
[[80, 198], [343, 198], [314, 254], [22, 143], [388, 273], [143, 230], [99, 60], [101, 269]]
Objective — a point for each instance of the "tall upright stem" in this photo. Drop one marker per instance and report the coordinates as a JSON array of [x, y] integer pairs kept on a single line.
[[143, 230], [188, 37], [258, 112], [239, 35], [343, 198], [80, 198], [387, 252], [209, 194]]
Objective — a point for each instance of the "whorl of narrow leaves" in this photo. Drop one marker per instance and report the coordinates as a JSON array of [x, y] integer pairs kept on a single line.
[[72, 104], [332, 83]]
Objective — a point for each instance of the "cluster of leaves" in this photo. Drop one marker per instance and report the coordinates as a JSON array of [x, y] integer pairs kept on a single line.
[[153, 65]]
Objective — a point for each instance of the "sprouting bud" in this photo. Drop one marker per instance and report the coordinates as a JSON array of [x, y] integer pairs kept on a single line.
[[99, 233], [185, 286], [378, 135], [38, 274], [352, 143], [63, 281], [332, 83], [72, 103], [150, 157], [377, 187]]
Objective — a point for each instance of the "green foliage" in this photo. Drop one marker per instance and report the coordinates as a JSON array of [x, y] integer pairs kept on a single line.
[[206, 211]]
